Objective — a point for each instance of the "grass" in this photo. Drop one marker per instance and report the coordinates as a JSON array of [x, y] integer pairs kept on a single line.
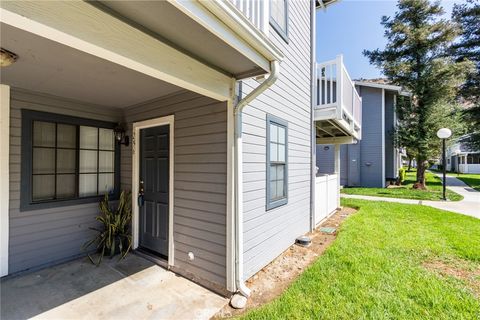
[[473, 180], [379, 268], [433, 192]]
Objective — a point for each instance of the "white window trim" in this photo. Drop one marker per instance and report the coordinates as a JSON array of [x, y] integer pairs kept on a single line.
[[4, 173], [137, 126]]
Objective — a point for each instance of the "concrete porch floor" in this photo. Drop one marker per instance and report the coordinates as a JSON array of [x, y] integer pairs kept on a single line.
[[134, 288]]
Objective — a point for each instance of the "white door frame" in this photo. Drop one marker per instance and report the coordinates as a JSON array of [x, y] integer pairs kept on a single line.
[[137, 126]]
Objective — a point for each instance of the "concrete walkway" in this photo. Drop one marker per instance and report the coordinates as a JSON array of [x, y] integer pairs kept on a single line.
[[133, 288], [470, 205]]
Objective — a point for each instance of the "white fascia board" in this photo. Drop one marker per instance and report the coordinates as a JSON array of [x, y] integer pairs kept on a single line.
[[236, 21], [199, 12], [82, 26], [390, 87]]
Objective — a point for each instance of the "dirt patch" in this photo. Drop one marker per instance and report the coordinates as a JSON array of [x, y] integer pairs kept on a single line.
[[273, 279], [466, 271]]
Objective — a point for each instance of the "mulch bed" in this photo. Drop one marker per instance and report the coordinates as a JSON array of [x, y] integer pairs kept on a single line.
[[273, 279]]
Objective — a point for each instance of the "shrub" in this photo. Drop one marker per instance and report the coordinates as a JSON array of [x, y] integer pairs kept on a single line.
[[401, 175]]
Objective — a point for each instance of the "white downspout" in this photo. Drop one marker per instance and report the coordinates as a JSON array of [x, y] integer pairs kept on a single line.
[[240, 284]]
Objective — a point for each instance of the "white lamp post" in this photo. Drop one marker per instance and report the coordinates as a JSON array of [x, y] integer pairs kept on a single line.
[[444, 134]]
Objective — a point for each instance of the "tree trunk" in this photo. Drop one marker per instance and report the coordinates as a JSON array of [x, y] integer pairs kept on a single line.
[[421, 168], [409, 164]]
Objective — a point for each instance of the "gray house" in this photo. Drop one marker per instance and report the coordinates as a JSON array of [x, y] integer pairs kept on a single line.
[[374, 160], [206, 106]]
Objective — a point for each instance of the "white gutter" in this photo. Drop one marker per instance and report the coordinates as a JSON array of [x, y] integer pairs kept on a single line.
[[274, 71]]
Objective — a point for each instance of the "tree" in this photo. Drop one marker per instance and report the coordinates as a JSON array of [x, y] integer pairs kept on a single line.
[[415, 58], [467, 16]]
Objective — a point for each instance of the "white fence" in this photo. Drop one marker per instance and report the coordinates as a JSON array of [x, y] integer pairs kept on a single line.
[[468, 168], [326, 195]]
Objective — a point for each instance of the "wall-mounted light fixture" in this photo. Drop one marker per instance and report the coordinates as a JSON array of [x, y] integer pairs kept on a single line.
[[120, 136], [326, 148], [7, 58]]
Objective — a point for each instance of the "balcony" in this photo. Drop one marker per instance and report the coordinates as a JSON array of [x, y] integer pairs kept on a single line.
[[254, 11], [338, 107]]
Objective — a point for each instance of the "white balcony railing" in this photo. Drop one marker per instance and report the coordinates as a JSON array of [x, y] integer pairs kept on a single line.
[[253, 10], [336, 92]]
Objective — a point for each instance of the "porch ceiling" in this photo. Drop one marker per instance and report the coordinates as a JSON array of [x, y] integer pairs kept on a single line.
[[163, 20], [50, 67]]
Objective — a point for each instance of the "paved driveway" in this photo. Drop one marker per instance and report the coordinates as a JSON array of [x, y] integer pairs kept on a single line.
[[133, 288]]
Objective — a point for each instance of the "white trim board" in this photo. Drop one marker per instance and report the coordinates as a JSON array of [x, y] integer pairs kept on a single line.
[[5, 176], [137, 126]]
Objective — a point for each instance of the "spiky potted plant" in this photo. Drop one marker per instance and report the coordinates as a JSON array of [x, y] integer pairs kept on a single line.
[[114, 236]]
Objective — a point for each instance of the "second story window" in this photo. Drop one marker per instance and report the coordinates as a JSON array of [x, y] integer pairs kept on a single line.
[[279, 17]]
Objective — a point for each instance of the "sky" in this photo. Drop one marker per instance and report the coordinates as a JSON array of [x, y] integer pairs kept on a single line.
[[350, 26]]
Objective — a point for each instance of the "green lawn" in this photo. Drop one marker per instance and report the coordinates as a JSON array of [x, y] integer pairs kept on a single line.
[[473, 180], [375, 269], [434, 192]]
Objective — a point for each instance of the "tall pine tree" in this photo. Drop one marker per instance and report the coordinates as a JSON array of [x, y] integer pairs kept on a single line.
[[467, 15], [416, 58]]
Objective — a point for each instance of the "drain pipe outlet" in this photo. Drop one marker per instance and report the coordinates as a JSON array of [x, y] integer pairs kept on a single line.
[[239, 299]]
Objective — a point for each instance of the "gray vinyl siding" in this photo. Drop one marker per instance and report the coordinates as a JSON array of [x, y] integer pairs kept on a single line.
[[390, 152], [326, 158], [361, 163], [200, 180], [326, 162], [46, 236], [268, 233], [371, 144]]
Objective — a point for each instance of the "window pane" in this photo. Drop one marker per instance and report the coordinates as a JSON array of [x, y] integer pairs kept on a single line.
[[66, 136], [273, 190], [280, 189], [88, 161], [280, 172], [88, 137], [273, 172], [43, 187], [66, 186], [105, 183], [87, 185], [273, 132], [66, 160], [278, 12], [273, 151], [106, 161], [281, 135], [106, 139], [43, 134], [281, 153], [43, 160]]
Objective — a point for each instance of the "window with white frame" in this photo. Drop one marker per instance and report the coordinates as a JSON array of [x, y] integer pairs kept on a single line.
[[277, 162], [279, 17], [66, 160]]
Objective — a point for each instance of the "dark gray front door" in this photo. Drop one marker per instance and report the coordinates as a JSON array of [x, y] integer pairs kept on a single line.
[[154, 175]]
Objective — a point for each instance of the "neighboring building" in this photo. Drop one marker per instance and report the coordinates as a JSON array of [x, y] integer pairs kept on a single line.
[[462, 159], [216, 97], [373, 161]]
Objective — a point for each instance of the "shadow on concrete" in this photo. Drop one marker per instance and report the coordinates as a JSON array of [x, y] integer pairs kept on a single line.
[[31, 294]]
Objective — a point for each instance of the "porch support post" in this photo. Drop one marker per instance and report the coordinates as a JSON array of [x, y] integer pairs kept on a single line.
[[337, 171], [4, 174]]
